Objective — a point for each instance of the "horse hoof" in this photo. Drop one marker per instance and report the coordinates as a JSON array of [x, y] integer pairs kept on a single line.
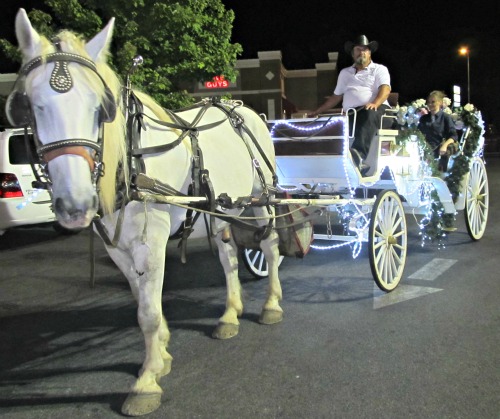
[[138, 404], [225, 331], [270, 317]]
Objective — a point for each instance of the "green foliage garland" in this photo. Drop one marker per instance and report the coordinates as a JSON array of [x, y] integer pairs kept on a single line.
[[436, 223]]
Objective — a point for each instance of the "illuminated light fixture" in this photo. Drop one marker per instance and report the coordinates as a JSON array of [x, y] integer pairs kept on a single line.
[[465, 51], [457, 97]]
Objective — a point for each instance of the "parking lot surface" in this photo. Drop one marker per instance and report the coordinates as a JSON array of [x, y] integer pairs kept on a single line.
[[344, 349]]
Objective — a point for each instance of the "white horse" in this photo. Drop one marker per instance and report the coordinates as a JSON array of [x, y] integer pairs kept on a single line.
[[67, 93]]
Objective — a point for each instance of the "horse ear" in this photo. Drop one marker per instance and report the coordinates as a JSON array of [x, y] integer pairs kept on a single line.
[[98, 46], [27, 38]]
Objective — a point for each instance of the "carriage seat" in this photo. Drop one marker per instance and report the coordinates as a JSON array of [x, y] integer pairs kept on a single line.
[[310, 151], [312, 142], [308, 137]]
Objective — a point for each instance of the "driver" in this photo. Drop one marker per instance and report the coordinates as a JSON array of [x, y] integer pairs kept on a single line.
[[365, 86]]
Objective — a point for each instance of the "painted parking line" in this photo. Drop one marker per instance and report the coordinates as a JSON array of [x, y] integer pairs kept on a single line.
[[401, 293], [428, 272], [433, 269]]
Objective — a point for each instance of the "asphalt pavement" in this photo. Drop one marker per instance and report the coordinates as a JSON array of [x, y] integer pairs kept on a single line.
[[429, 349]]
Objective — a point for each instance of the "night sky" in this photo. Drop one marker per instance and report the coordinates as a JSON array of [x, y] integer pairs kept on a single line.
[[418, 40]]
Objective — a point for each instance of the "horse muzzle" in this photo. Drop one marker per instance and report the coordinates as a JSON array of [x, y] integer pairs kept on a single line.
[[75, 215]]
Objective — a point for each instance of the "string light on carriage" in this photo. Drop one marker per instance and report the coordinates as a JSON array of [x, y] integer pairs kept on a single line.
[[302, 128], [356, 221], [413, 169], [345, 165], [426, 238], [356, 247], [285, 189], [313, 127], [357, 239]]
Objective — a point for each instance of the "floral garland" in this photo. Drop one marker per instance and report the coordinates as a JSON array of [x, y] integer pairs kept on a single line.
[[436, 223]]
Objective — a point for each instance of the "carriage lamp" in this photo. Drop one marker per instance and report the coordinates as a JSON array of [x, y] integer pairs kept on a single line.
[[465, 51]]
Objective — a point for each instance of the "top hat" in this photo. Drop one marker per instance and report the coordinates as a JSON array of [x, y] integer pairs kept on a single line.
[[361, 40]]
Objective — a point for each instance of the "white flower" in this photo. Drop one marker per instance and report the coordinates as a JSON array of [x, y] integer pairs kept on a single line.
[[419, 103], [469, 107], [446, 102], [401, 116], [447, 110]]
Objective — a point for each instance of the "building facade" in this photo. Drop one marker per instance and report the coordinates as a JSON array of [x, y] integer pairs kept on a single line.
[[267, 86], [263, 83]]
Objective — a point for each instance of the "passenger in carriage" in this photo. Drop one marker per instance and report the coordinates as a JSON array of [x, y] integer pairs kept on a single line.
[[439, 129], [364, 86]]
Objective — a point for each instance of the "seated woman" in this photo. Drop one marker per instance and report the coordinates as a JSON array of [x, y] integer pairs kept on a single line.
[[439, 129]]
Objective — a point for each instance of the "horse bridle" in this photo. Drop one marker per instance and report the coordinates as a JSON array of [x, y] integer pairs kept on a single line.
[[61, 82]]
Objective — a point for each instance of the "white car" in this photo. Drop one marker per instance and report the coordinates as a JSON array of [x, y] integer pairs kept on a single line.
[[20, 203]]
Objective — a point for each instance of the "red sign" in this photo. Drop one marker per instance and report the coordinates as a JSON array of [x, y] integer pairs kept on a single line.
[[218, 82]]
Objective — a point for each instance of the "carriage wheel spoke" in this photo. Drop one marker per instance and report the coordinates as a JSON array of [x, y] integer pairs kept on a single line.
[[477, 202], [388, 240]]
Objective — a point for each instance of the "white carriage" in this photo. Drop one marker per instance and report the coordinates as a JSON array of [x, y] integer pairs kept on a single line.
[[315, 166]]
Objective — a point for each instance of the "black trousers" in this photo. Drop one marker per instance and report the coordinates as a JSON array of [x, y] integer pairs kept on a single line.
[[367, 125]]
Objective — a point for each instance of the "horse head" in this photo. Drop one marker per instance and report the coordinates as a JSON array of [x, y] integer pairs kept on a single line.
[[63, 93]]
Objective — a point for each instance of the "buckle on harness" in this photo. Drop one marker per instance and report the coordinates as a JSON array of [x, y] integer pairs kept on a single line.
[[236, 120], [256, 163]]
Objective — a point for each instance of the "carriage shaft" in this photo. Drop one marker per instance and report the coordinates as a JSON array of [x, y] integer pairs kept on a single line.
[[317, 202]]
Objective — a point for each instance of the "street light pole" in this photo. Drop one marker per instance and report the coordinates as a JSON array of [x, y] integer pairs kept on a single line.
[[465, 51]]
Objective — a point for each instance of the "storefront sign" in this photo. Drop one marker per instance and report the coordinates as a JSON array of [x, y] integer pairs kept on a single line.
[[218, 82]]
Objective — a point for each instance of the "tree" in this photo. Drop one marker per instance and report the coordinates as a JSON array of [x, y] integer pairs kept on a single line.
[[180, 41]]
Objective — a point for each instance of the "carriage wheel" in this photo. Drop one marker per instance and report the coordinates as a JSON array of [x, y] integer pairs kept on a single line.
[[476, 200], [388, 240], [255, 262]]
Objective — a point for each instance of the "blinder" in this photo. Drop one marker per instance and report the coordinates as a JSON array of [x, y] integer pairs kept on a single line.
[[18, 106]]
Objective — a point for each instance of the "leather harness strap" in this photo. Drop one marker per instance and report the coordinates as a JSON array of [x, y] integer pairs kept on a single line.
[[201, 184], [76, 150]]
